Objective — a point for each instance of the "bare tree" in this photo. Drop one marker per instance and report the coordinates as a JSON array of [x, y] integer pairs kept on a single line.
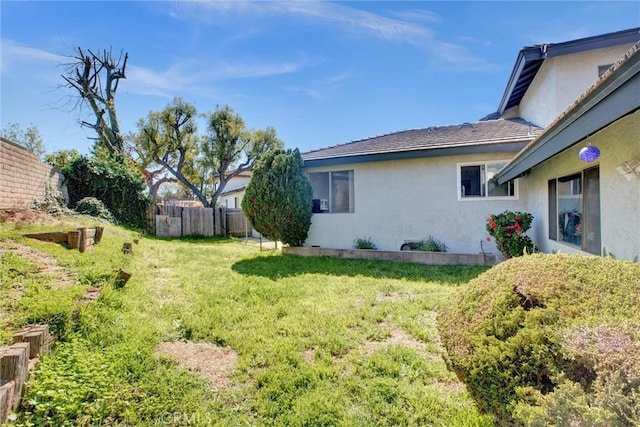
[[95, 77]]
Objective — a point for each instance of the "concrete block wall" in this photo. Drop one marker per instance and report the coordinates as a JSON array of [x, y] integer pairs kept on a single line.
[[24, 178]]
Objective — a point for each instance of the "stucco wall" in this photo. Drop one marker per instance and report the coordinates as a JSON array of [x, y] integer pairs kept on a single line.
[[409, 200], [24, 178], [561, 80], [619, 198]]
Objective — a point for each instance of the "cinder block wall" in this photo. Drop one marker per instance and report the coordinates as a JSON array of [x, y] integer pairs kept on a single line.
[[24, 178]]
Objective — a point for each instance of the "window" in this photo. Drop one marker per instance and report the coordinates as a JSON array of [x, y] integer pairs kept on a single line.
[[476, 180], [332, 191], [574, 210]]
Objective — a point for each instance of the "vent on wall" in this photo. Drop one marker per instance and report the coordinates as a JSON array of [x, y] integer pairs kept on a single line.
[[629, 169]]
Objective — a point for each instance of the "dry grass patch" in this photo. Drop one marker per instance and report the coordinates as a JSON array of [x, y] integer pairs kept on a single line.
[[394, 296], [214, 363], [396, 337]]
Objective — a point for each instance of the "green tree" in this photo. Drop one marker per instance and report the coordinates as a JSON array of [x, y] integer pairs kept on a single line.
[[29, 138], [278, 199], [231, 148], [60, 159], [169, 138]]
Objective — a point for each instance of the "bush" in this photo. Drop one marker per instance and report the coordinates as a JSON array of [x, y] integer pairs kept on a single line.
[[543, 336], [118, 186], [278, 199], [94, 207], [364, 243], [52, 202], [509, 230], [428, 244], [431, 244]]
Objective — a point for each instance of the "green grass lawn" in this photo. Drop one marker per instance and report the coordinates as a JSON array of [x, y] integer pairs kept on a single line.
[[305, 341]]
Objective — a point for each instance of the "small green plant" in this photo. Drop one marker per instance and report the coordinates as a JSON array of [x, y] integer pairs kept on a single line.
[[431, 244], [364, 243], [94, 207], [428, 244], [509, 231]]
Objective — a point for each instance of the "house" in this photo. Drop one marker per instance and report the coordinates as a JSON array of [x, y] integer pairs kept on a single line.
[[440, 181], [231, 197], [594, 206]]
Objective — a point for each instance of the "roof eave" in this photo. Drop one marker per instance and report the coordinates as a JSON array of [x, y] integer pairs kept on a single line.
[[525, 56], [512, 146], [539, 52]]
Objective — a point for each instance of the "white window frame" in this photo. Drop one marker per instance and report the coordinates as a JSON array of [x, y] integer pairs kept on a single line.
[[484, 163]]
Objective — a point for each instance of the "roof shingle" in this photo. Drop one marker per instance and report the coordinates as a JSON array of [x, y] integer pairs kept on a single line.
[[434, 137]]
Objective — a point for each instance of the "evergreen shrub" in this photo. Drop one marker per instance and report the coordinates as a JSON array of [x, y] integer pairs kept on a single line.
[[278, 200], [119, 186], [549, 339]]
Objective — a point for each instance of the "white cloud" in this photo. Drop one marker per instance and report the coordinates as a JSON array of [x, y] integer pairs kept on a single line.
[[419, 15], [407, 27], [457, 58], [200, 77], [260, 68], [348, 18], [14, 54], [12, 50]]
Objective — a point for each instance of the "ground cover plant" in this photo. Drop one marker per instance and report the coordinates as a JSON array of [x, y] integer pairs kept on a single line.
[[216, 332], [550, 340]]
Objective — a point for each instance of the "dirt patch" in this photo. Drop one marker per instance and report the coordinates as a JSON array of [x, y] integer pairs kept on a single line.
[[46, 263], [209, 361], [309, 356], [27, 216], [397, 337]]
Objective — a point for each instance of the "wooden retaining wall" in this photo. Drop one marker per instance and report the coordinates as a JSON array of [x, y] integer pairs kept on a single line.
[[16, 361], [82, 239]]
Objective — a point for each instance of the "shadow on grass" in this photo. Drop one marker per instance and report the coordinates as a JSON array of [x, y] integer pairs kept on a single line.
[[193, 239], [275, 267]]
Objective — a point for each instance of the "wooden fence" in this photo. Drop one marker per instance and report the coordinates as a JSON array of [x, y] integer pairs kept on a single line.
[[177, 221]]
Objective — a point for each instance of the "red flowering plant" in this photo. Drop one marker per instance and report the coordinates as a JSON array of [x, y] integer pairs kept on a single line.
[[508, 229]]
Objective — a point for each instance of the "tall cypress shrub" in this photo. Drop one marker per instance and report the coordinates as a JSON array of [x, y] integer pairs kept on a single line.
[[278, 199]]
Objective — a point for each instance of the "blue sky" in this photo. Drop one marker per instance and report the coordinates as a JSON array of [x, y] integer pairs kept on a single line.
[[321, 73]]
